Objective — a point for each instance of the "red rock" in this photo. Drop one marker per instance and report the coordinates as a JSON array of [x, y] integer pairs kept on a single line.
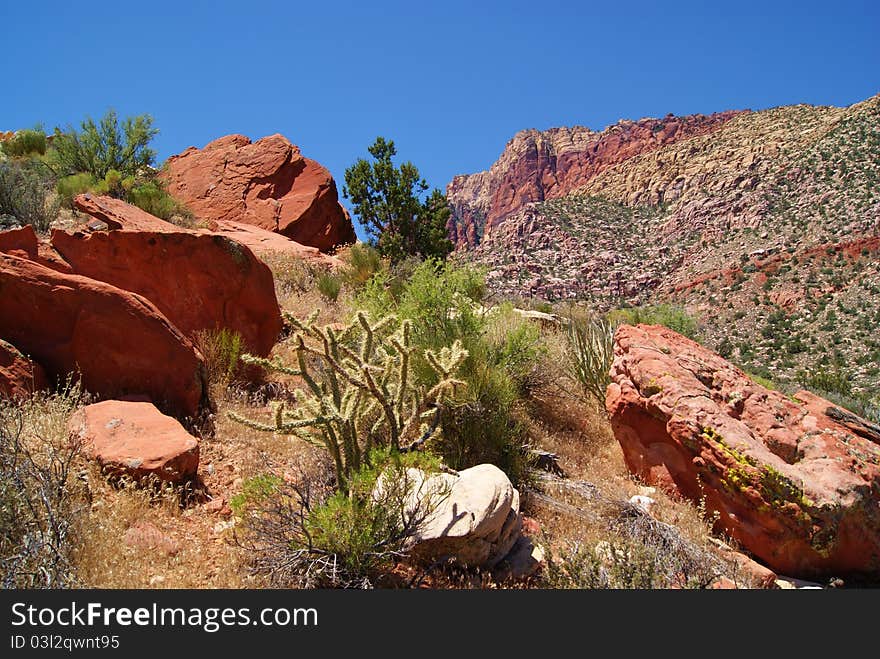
[[198, 280], [540, 165], [19, 376], [793, 482], [23, 242], [267, 183], [267, 243], [117, 214], [118, 342], [135, 439], [748, 571]]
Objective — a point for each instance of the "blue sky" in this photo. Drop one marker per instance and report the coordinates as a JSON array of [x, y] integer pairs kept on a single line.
[[449, 82]]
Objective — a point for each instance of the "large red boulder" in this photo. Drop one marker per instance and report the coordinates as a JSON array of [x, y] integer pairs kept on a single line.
[[137, 440], [267, 183], [198, 280], [118, 342], [24, 242], [19, 376], [795, 481]]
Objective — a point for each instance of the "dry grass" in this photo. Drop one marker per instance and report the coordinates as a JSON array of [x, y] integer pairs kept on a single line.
[[589, 508]]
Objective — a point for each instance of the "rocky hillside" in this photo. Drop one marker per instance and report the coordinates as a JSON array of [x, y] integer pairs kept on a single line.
[[766, 225], [540, 165]]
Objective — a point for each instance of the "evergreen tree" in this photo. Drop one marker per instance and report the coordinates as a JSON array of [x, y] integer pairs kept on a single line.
[[390, 203]]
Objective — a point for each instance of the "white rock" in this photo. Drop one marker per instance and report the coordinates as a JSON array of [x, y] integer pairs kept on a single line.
[[475, 518]]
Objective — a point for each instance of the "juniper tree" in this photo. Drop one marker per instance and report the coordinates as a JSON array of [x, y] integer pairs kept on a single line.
[[388, 200]]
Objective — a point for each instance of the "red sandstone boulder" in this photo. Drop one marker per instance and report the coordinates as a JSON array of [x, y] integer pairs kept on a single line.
[[266, 244], [267, 183], [118, 342], [23, 242], [796, 482], [136, 439], [198, 280], [19, 376], [115, 214]]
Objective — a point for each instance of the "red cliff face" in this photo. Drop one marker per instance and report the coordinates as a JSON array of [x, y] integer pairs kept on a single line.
[[538, 165]]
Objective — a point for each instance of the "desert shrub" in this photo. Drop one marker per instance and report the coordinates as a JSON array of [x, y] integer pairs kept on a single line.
[[834, 379], [443, 301], [28, 142], [152, 197], [40, 507], [98, 148], [361, 393], [222, 350], [24, 195], [69, 187], [308, 534], [590, 351], [329, 286], [623, 564], [674, 317], [361, 263]]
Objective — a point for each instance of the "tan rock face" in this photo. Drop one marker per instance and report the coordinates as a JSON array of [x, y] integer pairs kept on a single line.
[[19, 376], [267, 183], [135, 439], [118, 341], [796, 482], [540, 165]]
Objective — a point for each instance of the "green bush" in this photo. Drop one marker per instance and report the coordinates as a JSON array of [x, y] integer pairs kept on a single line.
[[222, 350], [69, 187], [329, 286], [361, 263], [673, 317], [24, 189], [590, 351], [306, 535], [29, 142], [152, 197], [97, 149], [443, 301]]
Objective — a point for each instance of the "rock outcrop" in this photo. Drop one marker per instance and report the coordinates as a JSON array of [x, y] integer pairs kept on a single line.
[[199, 281], [267, 183], [475, 520], [117, 341], [24, 243], [135, 439], [540, 165], [19, 376], [795, 481], [112, 214]]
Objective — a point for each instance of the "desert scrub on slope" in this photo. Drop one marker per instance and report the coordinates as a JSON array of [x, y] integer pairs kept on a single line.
[[674, 317], [41, 500]]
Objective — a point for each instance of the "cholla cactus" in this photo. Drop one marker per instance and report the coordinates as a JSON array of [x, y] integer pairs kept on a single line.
[[359, 392]]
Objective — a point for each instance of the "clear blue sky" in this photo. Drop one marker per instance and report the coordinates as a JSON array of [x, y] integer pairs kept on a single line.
[[449, 82]]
